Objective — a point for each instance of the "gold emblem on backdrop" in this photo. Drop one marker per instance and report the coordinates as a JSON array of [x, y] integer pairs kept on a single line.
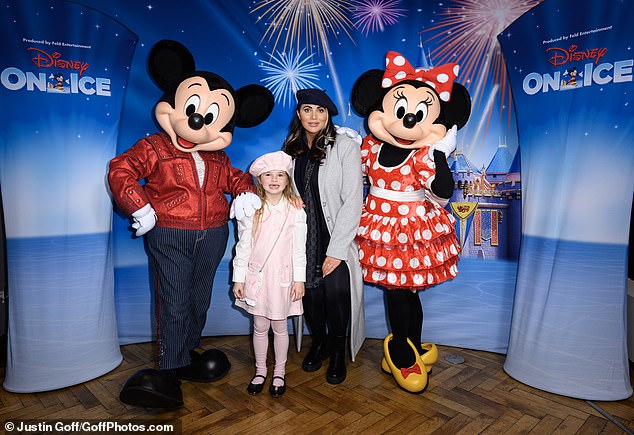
[[463, 210]]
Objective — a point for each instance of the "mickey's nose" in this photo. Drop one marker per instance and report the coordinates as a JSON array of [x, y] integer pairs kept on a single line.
[[409, 120], [196, 121]]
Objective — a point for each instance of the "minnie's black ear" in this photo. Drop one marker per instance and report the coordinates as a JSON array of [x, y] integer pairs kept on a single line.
[[367, 92], [168, 62], [254, 104], [458, 109]]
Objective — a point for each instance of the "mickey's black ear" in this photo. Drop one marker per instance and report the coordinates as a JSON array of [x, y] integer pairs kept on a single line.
[[367, 92], [458, 109], [168, 62], [254, 104]]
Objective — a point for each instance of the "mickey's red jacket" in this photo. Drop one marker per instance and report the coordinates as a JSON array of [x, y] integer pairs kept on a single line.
[[172, 185]]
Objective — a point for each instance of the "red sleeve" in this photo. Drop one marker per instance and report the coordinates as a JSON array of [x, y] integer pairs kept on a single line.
[[424, 167], [238, 181], [124, 172], [366, 147]]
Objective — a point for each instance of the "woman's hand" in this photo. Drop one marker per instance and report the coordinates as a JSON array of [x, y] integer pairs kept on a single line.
[[297, 203], [329, 265], [238, 290], [297, 291]]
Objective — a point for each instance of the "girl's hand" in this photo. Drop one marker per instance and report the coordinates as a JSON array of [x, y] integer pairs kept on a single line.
[[238, 290], [329, 265], [297, 291]]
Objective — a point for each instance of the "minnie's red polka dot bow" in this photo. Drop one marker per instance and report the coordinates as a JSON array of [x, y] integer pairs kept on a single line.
[[398, 69]]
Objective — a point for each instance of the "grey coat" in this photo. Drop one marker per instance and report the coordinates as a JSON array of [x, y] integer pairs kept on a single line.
[[341, 193]]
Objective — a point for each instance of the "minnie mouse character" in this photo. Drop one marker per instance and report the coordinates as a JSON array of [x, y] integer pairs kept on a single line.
[[182, 210], [407, 239]]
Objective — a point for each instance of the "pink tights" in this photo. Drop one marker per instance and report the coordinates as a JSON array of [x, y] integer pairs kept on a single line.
[[261, 327]]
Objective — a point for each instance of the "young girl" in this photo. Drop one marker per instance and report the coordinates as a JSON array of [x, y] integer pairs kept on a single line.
[[269, 268]]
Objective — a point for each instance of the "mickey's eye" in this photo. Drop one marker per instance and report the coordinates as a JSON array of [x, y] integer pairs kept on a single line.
[[191, 105], [400, 108], [421, 112], [211, 114]]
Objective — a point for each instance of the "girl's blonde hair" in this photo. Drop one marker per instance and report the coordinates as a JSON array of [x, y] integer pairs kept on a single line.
[[287, 193]]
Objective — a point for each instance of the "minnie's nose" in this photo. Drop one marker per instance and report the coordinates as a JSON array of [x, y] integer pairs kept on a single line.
[[409, 120]]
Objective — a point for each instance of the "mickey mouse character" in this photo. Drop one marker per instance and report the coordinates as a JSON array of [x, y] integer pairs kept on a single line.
[[407, 239], [183, 212]]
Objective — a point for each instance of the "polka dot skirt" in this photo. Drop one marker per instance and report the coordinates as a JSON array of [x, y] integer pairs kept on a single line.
[[404, 244]]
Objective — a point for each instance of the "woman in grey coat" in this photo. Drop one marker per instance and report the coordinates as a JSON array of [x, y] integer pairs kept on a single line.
[[327, 175]]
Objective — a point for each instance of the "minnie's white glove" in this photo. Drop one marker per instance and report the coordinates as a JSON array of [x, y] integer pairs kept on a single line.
[[447, 144], [144, 220], [351, 133], [244, 205]]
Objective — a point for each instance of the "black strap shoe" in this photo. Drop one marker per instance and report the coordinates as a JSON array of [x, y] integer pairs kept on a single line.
[[277, 391], [254, 389]]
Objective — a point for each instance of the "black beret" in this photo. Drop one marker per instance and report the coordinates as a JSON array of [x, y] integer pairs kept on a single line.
[[318, 97]]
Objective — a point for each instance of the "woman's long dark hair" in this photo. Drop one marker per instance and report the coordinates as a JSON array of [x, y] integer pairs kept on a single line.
[[293, 145]]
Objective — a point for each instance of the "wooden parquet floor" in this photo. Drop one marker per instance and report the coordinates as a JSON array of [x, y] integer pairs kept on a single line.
[[475, 397]]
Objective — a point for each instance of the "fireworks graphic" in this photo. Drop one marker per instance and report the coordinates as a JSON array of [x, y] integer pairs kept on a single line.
[[294, 21], [375, 15], [287, 74], [311, 18], [467, 35]]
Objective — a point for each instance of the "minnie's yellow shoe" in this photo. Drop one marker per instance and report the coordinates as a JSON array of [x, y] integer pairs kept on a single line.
[[429, 357], [412, 379]]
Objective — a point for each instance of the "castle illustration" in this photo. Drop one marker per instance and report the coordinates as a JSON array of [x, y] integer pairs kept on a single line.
[[486, 201], [487, 205]]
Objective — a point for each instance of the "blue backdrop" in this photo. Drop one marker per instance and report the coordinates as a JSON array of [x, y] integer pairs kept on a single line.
[[241, 42], [62, 90], [571, 75], [237, 40]]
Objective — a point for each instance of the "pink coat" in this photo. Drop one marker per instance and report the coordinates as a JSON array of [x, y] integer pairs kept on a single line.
[[268, 282]]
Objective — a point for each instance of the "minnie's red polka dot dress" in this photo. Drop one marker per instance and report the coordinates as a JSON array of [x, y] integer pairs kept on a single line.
[[406, 240]]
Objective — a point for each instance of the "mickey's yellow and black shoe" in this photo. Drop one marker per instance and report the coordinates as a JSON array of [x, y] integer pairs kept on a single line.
[[412, 379], [428, 357]]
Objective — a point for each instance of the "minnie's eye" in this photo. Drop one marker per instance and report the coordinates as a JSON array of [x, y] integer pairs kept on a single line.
[[400, 108], [191, 105], [421, 112], [211, 114]]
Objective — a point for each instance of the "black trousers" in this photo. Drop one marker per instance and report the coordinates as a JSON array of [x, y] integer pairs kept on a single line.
[[327, 306]]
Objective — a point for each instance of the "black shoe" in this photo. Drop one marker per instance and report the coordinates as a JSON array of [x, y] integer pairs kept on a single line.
[[193, 354], [149, 388], [254, 389], [336, 372], [209, 366], [316, 355], [277, 391]]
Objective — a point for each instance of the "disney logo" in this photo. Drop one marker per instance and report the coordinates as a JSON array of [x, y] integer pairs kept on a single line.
[[561, 56], [44, 60]]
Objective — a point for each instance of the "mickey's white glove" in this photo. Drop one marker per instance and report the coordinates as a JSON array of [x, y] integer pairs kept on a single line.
[[351, 133], [144, 220], [447, 144], [244, 205]]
